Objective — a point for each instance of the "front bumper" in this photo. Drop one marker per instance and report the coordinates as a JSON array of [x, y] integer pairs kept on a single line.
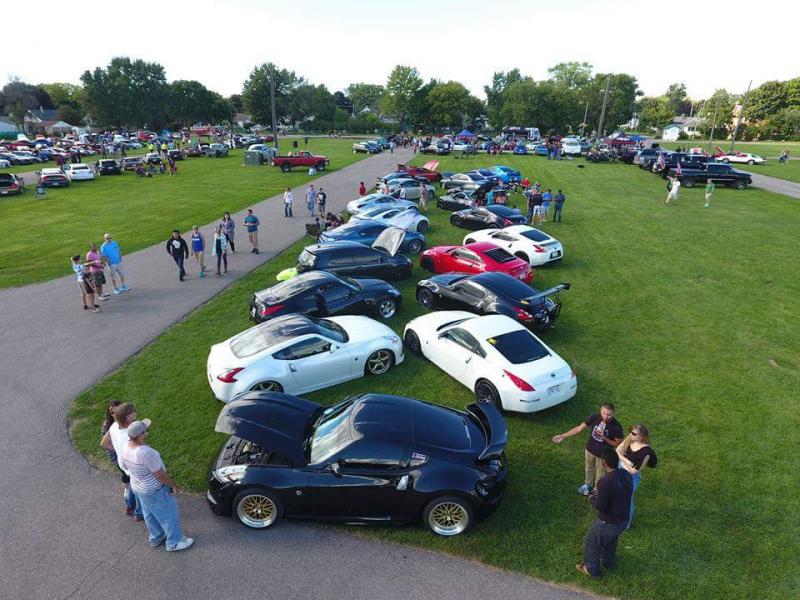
[[219, 496]]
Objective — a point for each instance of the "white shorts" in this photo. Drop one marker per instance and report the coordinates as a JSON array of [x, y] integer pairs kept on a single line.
[[116, 270], [537, 210], [708, 197]]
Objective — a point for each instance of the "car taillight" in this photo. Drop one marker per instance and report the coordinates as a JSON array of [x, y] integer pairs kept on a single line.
[[13, 186], [268, 310], [229, 376], [523, 314], [538, 248], [506, 222], [520, 383]]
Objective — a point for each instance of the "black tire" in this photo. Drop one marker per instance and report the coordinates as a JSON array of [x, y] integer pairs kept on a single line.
[[469, 241], [321, 166], [379, 362], [426, 264], [267, 386], [252, 502], [448, 515], [739, 185], [726, 161], [688, 183], [412, 342], [425, 298], [486, 392], [523, 256], [423, 226], [386, 308], [286, 167], [415, 246], [455, 221]]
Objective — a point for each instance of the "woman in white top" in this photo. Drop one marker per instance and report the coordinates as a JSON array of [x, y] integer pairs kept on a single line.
[[115, 439]]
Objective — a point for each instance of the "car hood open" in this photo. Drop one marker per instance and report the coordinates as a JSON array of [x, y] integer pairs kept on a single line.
[[390, 239], [274, 421]]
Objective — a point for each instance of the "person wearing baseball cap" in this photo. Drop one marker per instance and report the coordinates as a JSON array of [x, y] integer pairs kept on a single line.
[[154, 489]]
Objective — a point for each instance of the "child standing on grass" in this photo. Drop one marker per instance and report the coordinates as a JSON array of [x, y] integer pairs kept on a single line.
[[709, 192]]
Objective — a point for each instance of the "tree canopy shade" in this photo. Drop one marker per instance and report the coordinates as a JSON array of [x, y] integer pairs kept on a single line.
[[127, 93], [256, 92], [451, 105], [18, 97]]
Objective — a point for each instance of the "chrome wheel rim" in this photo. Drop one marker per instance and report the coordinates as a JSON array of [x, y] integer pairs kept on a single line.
[[415, 246], [387, 309], [379, 362], [448, 518], [425, 299], [266, 386], [257, 511]]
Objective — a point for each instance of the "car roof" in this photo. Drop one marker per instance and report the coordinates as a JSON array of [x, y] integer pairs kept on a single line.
[[501, 210], [490, 325], [287, 327], [480, 246]]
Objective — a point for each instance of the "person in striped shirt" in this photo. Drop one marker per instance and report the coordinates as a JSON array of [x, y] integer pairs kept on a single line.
[[154, 489]]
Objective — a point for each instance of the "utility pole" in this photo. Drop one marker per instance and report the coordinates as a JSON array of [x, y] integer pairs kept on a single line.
[[274, 118], [741, 114], [585, 115], [713, 125], [603, 110]]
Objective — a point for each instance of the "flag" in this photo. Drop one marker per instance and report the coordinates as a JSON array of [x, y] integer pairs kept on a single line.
[[678, 169]]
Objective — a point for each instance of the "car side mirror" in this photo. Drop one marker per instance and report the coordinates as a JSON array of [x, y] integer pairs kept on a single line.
[[334, 468]]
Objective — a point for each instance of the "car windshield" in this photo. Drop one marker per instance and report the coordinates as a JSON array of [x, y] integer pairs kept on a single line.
[[449, 323], [352, 283], [331, 433], [535, 235], [518, 346], [331, 330]]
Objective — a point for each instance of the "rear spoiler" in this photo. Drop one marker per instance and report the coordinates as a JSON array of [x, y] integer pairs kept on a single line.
[[550, 291], [494, 428]]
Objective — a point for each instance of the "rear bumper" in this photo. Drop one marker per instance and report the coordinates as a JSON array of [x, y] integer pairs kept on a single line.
[[540, 399]]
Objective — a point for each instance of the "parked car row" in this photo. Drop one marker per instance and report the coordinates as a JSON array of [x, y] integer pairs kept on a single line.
[[692, 169]]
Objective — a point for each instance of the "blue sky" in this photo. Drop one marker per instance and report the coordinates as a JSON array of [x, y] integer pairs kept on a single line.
[[703, 44]]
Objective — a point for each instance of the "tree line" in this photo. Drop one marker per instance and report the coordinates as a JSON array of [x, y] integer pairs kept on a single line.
[[136, 93]]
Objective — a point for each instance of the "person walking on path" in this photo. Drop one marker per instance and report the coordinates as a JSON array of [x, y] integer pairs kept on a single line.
[[322, 198], [674, 188], [251, 223], [115, 439], [635, 454], [558, 206], [288, 199], [709, 193], [199, 249], [220, 249], [95, 261], [311, 196], [84, 285], [179, 251], [112, 254], [229, 227], [612, 502], [154, 489], [362, 189], [604, 432]]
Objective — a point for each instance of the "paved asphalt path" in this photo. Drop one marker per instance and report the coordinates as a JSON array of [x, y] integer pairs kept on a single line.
[[774, 184], [62, 530]]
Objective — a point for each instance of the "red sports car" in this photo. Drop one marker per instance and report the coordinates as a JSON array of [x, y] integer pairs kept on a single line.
[[428, 171], [477, 257]]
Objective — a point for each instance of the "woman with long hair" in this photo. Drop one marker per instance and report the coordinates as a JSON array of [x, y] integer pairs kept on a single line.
[[220, 248], [635, 454]]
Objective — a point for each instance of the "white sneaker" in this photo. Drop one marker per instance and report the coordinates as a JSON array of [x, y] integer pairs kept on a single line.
[[182, 545], [103, 297], [117, 292], [125, 288]]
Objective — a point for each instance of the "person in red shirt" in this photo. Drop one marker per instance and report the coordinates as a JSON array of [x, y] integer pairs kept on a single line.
[[362, 189], [525, 183]]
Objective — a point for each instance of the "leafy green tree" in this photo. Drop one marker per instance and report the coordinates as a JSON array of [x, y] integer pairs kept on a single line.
[[256, 92], [364, 95], [191, 102], [312, 102], [494, 95], [678, 99], [365, 123], [236, 103], [793, 93], [451, 105], [622, 95], [654, 113], [127, 93], [724, 103], [766, 100], [401, 91], [783, 125], [18, 97], [69, 114], [66, 94]]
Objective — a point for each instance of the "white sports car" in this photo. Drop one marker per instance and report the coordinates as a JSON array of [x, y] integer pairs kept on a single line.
[[4, 164], [500, 360], [745, 158], [298, 354], [527, 243], [408, 217], [78, 172], [371, 201]]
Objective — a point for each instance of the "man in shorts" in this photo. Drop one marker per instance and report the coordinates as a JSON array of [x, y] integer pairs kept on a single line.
[[251, 223], [95, 262], [112, 255]]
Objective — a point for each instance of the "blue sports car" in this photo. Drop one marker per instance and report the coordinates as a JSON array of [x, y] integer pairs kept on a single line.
[[366, 231], [507, 174], [541, 150], [520, 149]]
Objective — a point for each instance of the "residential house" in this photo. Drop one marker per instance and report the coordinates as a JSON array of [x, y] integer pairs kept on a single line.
[[36, 116], [54, 128], [243, 120], [686, 125], [8, 129]]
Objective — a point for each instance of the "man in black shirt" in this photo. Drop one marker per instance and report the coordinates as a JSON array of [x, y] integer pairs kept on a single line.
[[612, 500], [605, 432], [179, 251]]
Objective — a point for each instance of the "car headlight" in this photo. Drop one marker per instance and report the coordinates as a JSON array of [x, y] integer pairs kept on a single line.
[[230, 474]]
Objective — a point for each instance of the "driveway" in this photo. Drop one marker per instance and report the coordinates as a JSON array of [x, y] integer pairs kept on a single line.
[[774, 184], [63, 533]]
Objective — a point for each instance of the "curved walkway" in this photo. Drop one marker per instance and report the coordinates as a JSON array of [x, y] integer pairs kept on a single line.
[[62, 531], [776, 185]]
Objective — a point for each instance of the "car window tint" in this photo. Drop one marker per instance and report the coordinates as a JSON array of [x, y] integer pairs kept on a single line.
[[467, 255], [367, 454], [463, 339], [503, 236], [303, 349], [332, 433], [471, 290], [518, 346]]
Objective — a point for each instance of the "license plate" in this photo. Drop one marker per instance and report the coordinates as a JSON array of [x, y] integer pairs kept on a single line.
[[553, 389], [555, 254]]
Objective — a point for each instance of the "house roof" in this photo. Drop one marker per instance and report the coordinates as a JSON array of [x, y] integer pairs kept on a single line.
[[242, 117], [52, 124], [44, 114], [685, 121]]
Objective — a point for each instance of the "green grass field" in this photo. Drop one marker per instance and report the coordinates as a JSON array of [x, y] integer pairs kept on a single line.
[[675, 315], [139, 212]]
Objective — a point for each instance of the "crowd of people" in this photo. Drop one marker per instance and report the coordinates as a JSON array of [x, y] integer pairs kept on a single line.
[[540, 202], [90, 272]]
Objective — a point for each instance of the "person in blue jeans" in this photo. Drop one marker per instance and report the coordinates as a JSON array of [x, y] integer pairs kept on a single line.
[[635, 454], [154, 489], [251, 222], [178, 249], [115, 438]]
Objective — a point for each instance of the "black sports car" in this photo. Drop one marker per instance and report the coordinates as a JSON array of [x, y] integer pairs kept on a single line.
[[352, 259], [487, 217], [322, 294], [370, 458], [492, 293], [456, 200], [108, 166]]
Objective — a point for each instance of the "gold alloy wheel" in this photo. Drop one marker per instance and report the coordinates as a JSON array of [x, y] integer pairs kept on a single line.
[[379, 362], [257, 511], [448, 518]]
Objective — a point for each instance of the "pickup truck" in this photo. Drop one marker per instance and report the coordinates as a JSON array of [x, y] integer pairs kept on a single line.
[[300, 159], [720, 174]]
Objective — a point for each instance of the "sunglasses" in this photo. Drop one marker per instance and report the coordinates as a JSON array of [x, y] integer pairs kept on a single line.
[[634, 433]]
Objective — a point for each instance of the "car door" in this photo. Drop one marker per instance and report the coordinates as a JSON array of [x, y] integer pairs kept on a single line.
[[316, 362], [478, 219], [453, 352], [469, 296], [337, 298], [505, 240], [466, 261]]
